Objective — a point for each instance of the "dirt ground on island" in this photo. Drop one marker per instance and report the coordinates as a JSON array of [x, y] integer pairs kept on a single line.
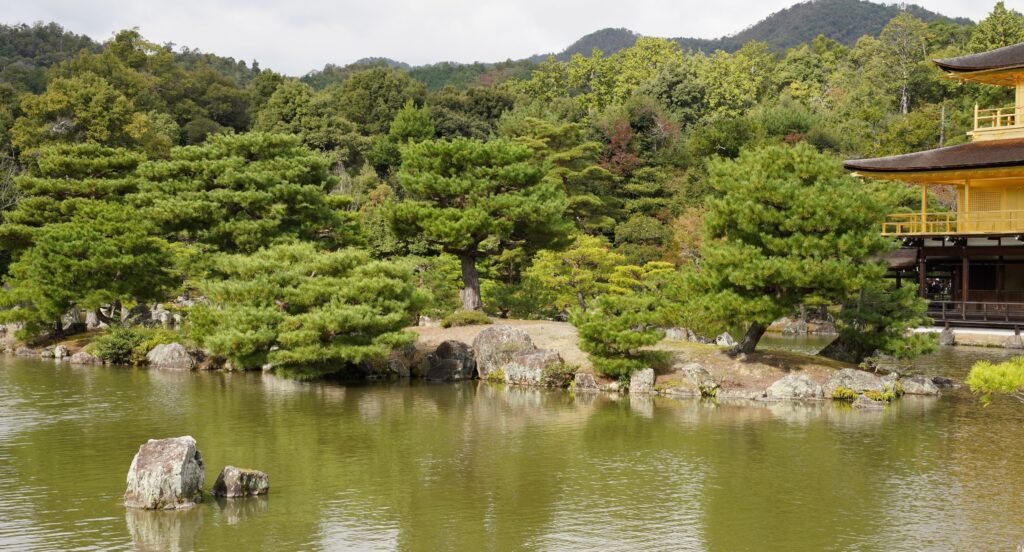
[[755, 371]]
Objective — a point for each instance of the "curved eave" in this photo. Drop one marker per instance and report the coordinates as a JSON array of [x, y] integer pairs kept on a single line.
[[989, 159], [1007, 57]]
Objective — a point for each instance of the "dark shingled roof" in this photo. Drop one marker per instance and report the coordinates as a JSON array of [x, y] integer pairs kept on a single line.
[[973, 155], [1005, 57]]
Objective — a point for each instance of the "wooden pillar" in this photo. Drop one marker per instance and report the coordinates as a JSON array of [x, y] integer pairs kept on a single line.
[[899, 279], [1000, 279], [924, 207], [965, 270], [922, 284]]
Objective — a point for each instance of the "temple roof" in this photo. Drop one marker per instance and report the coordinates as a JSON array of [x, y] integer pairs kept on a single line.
[[973, 155], [1001, 58]]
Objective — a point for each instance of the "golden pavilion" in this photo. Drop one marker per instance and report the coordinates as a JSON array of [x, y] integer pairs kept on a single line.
[[970, 260]]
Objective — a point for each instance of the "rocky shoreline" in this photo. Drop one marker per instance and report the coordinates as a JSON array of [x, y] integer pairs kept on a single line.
[[546, 354]]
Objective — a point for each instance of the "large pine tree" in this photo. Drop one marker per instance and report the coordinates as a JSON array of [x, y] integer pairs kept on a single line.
[[476, 199]]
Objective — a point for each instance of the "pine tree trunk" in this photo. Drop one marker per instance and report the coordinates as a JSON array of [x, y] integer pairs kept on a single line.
[[581, 300], [750, 339], [470, 293]]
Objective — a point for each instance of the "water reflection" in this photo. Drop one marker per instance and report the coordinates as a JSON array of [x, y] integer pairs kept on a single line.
[[476, 467], [164, 531]]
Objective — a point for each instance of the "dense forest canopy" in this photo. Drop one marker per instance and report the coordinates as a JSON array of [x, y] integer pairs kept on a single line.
[[473, 181]]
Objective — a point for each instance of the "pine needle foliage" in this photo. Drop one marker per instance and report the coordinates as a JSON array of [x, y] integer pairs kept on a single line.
[[307, 312]]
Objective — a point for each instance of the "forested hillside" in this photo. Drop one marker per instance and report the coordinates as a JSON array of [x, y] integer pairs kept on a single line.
[[844, 21], [610, 189]]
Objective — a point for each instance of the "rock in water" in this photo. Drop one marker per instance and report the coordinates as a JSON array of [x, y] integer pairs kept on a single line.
[[642, 382], [165, 474], [794, 387], [700, 378], [496, 346], [82, 357], [237, 482], [171, 356], [451, 361], [585, 383], [532, 367], [725, 340], [919, 385], [947, 337], [850, 378], [61, 351]]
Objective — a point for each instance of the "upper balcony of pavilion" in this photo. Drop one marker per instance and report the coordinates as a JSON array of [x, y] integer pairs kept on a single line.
[[987, 172]]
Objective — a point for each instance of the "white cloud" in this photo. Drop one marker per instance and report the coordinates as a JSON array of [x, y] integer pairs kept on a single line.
[[295, 37]]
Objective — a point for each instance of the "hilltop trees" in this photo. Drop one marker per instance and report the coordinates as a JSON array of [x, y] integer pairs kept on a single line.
[[474, 200], [789, 227], [1002, 27]]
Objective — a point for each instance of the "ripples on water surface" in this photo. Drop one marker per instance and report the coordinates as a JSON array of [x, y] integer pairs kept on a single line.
[[468, 467]]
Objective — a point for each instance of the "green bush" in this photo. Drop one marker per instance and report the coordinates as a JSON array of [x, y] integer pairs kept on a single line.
[[844, 394], [1005, 378], [561, 375], [882, 396], [465, 318], [129, 345]]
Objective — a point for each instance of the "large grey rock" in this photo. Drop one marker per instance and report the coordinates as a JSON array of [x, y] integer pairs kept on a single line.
[[725, 340], [451, 361], [46, 353], [25, 352], [61, 351], [794, 387], [237, 482], [850, 378], [697, 376], [642, 382], [82, 357], [497, 345], [398, 364], [139, 315], [531, 368], [944, 383], [586, 383], [919, 385], [165, 474], [171, 356], [947, 337]]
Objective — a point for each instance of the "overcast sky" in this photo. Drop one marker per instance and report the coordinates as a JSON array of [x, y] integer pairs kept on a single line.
[[296, 36]]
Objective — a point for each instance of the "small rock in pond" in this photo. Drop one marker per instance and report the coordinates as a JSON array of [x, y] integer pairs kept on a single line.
[[585, 383], [171, 356], [642, 382], [82, 357], [794, 387], [25, 352], [451, 361], [947, 337], [851, 378], [238, 482], [919, 385], [165, 474], [61, 351]]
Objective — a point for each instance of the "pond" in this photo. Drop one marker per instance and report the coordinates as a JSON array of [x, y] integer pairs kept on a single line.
[[473, 466]]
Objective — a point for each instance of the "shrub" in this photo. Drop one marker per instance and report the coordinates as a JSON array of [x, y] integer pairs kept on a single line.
[[882, 396], [465, 318], [560, 375], [1005, 378], [844, 394], [129, 344]]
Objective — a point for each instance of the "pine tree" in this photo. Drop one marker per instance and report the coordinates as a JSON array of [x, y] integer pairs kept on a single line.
[[305, 311], [789, 227], [475, 200], [575, 276], [627, 318], [238, 193]]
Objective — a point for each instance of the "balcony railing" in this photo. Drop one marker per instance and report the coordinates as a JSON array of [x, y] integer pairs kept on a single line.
[[945, 224], [998, 118]]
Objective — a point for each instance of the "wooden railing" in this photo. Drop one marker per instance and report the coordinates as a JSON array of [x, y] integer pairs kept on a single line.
[[995, 313], [980, 222], [1000, 117], [904, 224]]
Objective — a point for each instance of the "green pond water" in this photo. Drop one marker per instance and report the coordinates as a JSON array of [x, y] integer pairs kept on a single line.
[[472, 466]]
